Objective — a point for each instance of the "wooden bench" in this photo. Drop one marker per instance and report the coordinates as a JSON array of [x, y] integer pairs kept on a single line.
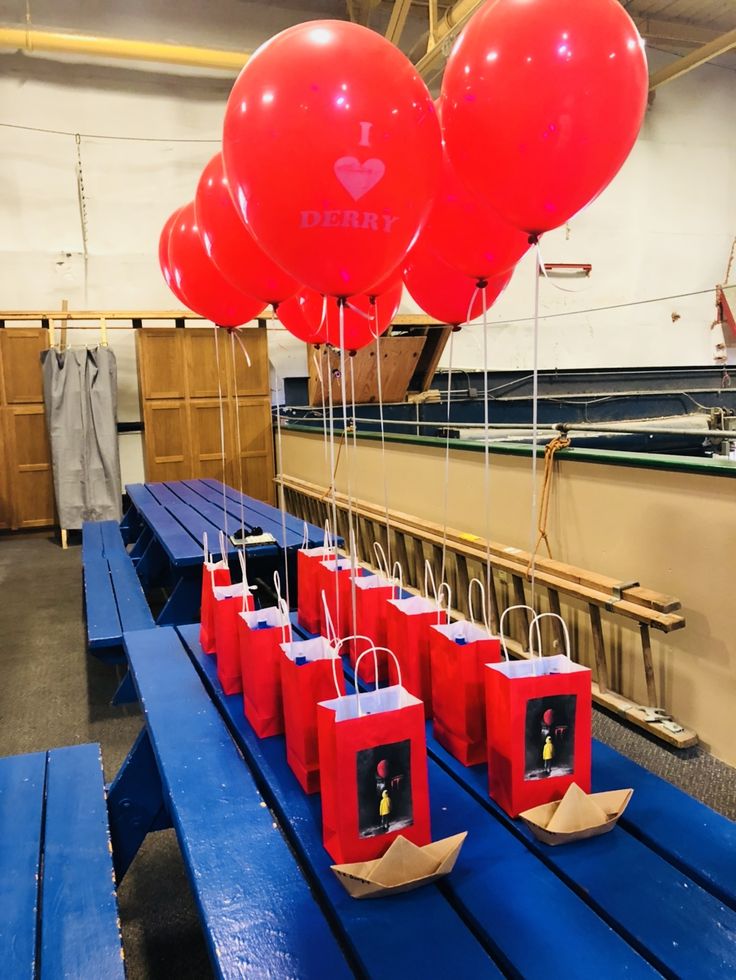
[[113, 597], [415, 541], [58, 908]]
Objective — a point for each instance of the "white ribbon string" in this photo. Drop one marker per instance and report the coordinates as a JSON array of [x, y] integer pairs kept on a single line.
[[348, 461], [535, 428], [486, 444], [384, 467], [543, 271], [320, 375], [222, 429], [281, 492], [237, 430], [446, 499]]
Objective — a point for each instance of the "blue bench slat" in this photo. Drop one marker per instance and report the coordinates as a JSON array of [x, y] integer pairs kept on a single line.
[[269, 524], [103, 622], [187, 517], [21, 821], [260, 916], [208, 504], [696, 839], [133, 609], [179, 544], [684, 930], [416, 935], [267, 512], [80, 934]]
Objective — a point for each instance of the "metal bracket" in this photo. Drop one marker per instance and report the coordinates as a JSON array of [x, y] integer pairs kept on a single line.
[[618, 590]]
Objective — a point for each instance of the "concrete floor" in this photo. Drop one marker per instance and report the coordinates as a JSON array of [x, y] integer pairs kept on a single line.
[[54, 693]]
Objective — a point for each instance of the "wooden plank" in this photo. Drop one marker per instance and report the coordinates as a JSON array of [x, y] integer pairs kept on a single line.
[[22, 780], [694, 838], [646, 647], [80, 931], [599, 648], [259, 915], [103, 622], [132, 605], [178, 542], [683, 930]]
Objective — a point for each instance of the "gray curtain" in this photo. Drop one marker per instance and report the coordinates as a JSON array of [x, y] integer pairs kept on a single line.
[[81, 395]]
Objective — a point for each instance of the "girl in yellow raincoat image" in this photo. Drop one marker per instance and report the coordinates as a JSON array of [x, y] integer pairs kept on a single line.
[[384, 810], [548, 754]]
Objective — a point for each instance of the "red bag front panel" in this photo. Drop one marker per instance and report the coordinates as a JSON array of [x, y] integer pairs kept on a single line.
[[408, 636], [260, 666], [227, 645], [360, 760], [212, 574], [335, 583], [458, 692], [522, 713], [370, 621], [303, 686], [309, 602]]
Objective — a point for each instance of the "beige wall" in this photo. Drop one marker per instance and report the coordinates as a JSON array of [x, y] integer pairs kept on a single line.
[[673, 532]]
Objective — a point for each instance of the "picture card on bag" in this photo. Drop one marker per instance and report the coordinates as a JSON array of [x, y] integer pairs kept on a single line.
[[384, 789]]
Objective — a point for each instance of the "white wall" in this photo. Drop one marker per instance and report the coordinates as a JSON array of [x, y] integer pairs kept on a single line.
[[665, 226]]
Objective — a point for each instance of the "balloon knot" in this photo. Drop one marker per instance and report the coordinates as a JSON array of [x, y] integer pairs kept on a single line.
[[533, 239], [482, 283], [353, 353], [456, 327], [342, 300]]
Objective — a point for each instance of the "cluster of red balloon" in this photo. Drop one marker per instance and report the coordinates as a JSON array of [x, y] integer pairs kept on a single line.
[[336, 183]]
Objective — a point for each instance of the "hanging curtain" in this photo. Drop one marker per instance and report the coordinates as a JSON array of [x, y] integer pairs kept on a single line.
[[81, 396]]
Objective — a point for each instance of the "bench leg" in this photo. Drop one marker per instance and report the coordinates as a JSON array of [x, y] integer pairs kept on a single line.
[[130, 525], [125, 693], [135, 804], [182, 606], [141, 543], [152, 564]]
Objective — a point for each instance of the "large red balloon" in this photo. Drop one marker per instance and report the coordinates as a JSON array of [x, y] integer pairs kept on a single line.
[[205, 290], [229, 243], [163, 256], [291, 314], [444, 293], [468, 233], [542, 101], [332, 149], [364, 316]]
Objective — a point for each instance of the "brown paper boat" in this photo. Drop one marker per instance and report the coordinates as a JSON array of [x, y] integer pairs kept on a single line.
[[577, 815], [403, 867]]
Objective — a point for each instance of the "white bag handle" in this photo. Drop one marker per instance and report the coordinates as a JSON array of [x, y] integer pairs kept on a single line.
[[223, 546], [443, 586], [504, 614], [337, 643], [381, 559], [534, 625], [429, 577], [246, 586], [471, 583], [375, 651], [305, 536], [397, 580], [207, 555], [327, 540], [281, 605]]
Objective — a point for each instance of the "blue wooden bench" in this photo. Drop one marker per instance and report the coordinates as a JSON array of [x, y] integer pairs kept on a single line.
[[258, 912], [58, 908], [113, 596]]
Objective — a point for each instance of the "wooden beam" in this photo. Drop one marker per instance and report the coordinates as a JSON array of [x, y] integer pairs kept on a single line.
[[719, 46], [675, 31], [397, 20], [432, 63]]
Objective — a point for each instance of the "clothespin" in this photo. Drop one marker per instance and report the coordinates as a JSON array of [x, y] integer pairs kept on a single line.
[[103, 331]]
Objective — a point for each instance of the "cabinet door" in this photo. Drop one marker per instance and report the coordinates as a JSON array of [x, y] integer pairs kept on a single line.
[[20, 351], [256, 448], [207, 434], [6, 508], [167, 443], [30, 472]]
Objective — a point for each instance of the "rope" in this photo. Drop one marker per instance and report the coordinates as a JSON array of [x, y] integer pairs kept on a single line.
[[552, 447], [222, 429]]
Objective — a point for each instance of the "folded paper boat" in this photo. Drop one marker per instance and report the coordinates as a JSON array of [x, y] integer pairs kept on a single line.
[[577, 815], [403, 867]]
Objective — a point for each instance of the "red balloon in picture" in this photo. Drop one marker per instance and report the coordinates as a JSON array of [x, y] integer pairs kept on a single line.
[[444, 293], [231, 246], [163, 256], [205, 290], [542, 101], [364, 316], [332, 148], [292, 316], [468, 233]]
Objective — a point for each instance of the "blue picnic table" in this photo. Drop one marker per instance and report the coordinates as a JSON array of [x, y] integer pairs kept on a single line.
[[166, 524]]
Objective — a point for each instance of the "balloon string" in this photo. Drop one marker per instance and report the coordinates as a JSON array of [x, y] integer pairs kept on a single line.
[[487, 455], [379, 377], [472, 302], [282, 501], [237, 430], [353, 420], [447, 464], [222, 430], [320, 375], [332, 447], [542, 270], [348, 464], [535, 425], [354, 309]]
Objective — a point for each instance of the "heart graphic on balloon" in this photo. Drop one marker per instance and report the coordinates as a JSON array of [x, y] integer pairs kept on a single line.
[[358, 178]]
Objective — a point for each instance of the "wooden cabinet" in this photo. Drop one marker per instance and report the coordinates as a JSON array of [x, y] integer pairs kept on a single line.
[[182, 377], [26, 483]]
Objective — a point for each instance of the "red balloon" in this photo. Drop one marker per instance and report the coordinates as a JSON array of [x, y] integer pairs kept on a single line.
[[332, 149], [468, 233], [229, 243], [542, 101], [163, 256], [364, 316], [205, 290], [444, 293], [291, 314]]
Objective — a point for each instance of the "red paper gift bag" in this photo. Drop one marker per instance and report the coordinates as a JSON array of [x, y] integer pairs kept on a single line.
[[261, 634], [373, 772], [311, 671], [228, 601], [539, 727], [309, 607], [333, 578], [368, 626], [408, 634], [213, 573], [459, 652]]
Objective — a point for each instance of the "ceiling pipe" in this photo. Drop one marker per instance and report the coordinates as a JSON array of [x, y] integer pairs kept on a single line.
[[84, 45]]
